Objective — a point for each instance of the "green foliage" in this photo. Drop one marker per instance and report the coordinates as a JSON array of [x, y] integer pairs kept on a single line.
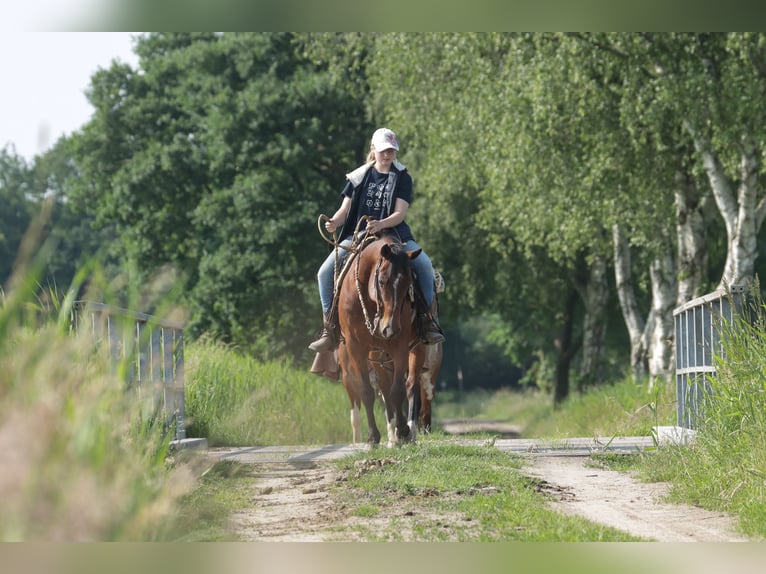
[[232, 399], [16, 183], [217, 158]]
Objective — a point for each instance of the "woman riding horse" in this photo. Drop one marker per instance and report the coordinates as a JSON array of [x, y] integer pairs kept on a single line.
[[377, 195]]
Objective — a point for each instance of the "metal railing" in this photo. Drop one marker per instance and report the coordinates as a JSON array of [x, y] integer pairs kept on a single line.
[[699, 326], [152, 350]]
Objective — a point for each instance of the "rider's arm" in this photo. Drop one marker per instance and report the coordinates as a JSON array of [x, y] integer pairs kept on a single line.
[[396, 217], [339, 218]]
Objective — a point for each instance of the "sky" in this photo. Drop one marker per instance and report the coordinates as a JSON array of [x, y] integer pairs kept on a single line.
[[43, 78]]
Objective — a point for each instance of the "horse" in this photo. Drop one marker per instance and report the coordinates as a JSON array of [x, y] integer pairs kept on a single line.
[[376, 314], [425, 382]]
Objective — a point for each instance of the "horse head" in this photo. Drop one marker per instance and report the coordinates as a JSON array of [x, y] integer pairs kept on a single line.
[[392, 282]]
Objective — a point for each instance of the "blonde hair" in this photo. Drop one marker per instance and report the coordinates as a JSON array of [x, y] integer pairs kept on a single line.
[[371, 155]]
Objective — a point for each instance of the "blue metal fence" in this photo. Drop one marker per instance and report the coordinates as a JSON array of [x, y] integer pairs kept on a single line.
[[152, 350]]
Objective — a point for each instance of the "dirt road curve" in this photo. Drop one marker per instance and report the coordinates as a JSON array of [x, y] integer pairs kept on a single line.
[[292, 501]]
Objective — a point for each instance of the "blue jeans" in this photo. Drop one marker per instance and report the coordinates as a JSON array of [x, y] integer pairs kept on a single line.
[[422, 266]]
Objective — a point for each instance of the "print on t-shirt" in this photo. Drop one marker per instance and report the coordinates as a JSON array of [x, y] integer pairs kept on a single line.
[[377, 200]]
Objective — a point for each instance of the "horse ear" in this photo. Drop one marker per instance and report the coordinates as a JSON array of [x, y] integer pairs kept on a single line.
[[385, 251], [414, 254]]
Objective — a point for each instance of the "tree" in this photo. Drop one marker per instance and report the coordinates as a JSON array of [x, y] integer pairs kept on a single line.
[[16, 188], [533, 123], [216, 156]]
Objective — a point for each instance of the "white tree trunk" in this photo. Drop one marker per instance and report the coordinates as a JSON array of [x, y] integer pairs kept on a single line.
[[660, 333], [743, 212]]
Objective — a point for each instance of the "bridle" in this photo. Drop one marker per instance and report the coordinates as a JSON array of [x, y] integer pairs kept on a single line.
[[360, 240]]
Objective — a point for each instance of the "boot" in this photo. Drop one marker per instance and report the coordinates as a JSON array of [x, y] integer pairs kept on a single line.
[[327, 340], [430, 332]]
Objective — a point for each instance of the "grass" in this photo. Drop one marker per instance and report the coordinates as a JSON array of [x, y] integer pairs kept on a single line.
[[203, 514], [725, 467], [234, 400], [86, 461], [442, 492], [83, 458], [625, 408]]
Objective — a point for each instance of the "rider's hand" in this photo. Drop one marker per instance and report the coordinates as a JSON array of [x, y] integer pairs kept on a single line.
[[330, 225], [374, 226]]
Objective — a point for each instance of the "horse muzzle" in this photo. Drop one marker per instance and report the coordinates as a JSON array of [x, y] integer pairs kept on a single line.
[[388, 330]]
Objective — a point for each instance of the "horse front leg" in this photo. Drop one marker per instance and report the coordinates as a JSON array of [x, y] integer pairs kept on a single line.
[[356, 422], [413, 406], [368, 400], [382, 380], [401, 430]]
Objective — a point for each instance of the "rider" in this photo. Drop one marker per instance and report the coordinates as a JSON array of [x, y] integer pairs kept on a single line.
[[382, 190]]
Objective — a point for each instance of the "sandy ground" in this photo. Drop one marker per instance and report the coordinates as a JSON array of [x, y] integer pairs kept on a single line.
[[292, 503], [616, 499]]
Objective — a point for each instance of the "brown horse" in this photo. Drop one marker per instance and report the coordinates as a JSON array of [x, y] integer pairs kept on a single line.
[[376, 314], [381, 374]]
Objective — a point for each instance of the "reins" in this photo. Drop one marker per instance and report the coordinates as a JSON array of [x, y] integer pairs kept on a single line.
[[358, 242]]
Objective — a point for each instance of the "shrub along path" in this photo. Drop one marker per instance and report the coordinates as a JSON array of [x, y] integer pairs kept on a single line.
[[292, 498]]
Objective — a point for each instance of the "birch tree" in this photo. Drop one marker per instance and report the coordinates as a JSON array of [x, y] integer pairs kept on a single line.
[[713, 87]]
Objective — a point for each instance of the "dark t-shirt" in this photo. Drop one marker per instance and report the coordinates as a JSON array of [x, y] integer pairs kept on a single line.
[[376, 203]]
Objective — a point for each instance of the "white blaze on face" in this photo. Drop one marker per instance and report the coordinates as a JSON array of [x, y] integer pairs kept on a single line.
[[356, 424]]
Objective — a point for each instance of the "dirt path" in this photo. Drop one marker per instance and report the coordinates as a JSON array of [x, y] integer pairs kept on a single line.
[[617, 500], [291, 502]]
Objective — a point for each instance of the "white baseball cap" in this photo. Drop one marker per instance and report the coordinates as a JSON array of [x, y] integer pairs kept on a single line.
[[384, 139]]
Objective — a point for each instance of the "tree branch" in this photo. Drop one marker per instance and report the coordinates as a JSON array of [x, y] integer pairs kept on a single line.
[[615, 51]]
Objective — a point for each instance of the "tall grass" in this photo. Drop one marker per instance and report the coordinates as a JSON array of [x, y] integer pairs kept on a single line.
[[232, 399], [82, 458], [235, 400], [725, 467], [625, 408]]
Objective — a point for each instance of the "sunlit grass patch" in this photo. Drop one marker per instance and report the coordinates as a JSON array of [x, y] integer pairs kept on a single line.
[[457, 493], [234, 400]]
